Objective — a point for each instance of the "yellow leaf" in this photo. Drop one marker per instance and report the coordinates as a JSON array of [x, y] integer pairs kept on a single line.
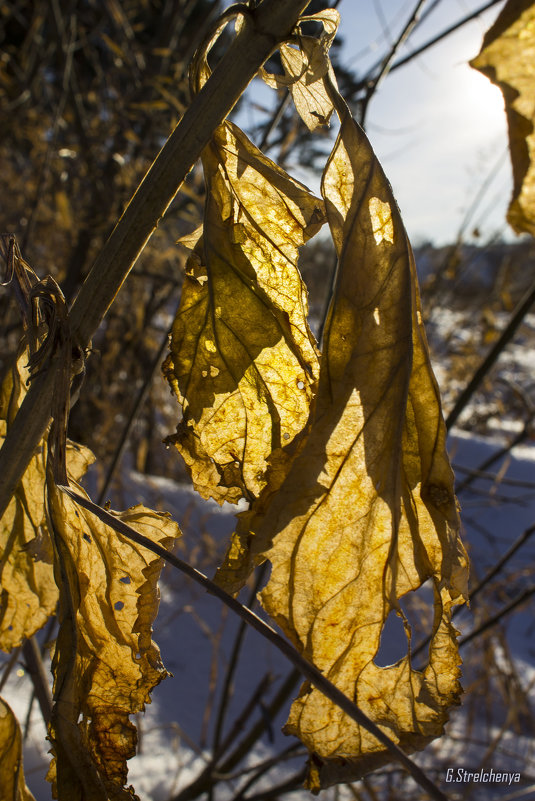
[[367, 512], [12, 784], [105, 663], [243, 361], [29, 593], [190, 240], [507, 58], [305, 67]]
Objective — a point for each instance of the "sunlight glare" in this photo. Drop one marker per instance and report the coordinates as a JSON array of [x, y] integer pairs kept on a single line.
[[482, 99]]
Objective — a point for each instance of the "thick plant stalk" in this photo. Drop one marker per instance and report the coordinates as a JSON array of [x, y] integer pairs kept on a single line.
[[266, 26]]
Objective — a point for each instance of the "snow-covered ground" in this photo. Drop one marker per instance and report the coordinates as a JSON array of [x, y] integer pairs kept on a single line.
[[196, 635], [494, 727]]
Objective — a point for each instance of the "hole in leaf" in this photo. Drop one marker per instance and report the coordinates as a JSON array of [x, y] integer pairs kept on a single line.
[[311, 28], [419, 610], [125, 579], [118, 605], [393, 645], [87, 537]]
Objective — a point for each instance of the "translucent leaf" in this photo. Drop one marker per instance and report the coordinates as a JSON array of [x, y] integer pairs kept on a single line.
[[12, 784], [367, 512], [506, 58], [305, 67], [190, 240], [243, 362], [105, 663], [29, 593]]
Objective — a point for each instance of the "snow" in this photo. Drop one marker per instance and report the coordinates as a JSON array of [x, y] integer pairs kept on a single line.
[[195, 635]]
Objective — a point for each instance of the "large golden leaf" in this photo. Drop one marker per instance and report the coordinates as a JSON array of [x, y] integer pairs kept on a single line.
[[105, 663], [29, 593], [12, 784], [367, 512], [243, 362], [507, 57]]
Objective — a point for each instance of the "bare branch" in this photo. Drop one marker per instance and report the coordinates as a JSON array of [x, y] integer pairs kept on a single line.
[[308, 670], [499, 346]]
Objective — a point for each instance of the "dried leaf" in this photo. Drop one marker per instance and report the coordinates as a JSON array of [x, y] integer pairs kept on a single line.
[[507, 58], [190, 240], [243, 362], [305, 67], [29, 593], [367, 512], [105, 663], [12, 784]]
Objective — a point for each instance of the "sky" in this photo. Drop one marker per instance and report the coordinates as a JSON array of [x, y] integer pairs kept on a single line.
[[437, 126]]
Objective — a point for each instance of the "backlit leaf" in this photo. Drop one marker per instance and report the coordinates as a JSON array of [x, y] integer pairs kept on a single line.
[[507, 57], [243, 362], [367, 512], [305, 67], [12, 784], [29, 593], [105, 663]]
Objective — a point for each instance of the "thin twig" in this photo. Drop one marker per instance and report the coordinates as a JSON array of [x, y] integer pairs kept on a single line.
[[440, 36], [46, 639], [373, 83], [435, 284], [275, 119], [263, 768], [295, 750], [138, 403], [290, 785], [246, 744], [308, 670], [430, 43], [474, 474], [38, 675], [233, 662], [519, 437], [524, 537], [245, 714], [492, 621], [9, 665], [204, 780], [480, 194], [507, 334]]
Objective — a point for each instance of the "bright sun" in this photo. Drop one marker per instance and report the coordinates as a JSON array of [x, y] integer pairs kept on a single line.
[[483, 98]]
